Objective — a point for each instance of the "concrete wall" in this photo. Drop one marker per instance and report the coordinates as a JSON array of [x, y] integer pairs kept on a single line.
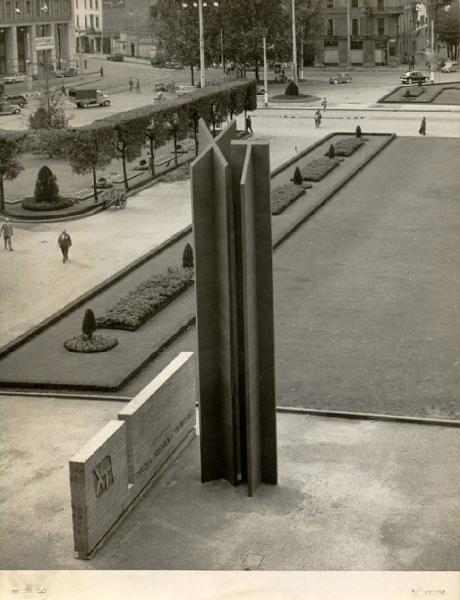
[[109, 472]]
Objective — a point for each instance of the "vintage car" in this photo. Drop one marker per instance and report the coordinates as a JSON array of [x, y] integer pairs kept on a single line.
[[413, 77], [340, 78], [18, 78]]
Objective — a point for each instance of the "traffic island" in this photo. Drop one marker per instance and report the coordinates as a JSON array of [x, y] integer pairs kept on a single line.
[[436, 93]]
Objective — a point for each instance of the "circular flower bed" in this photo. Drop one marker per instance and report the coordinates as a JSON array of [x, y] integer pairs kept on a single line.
[[299, 98], [31, 204], [98, 343]]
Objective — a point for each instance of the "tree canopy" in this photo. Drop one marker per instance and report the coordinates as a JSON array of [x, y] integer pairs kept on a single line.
[[11, 148]]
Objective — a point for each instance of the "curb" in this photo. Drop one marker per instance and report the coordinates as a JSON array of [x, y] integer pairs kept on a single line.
[[74, 304], [317, 412], [284, 235]]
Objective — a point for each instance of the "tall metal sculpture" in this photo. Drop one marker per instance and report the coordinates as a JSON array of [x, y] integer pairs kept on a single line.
[[234, 291]]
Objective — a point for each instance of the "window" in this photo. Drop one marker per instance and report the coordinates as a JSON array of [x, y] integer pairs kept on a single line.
[[91, 21], [97, 22], [329, 3], [91, 4], [96, 4], [28, 7], [76, 4], [355, 27], [86, 21], [380, 26], [354, 3], [380, 4], [330, 27]]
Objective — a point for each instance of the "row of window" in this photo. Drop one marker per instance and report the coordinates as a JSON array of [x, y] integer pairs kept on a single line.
[[24, 9], [355, 27], [90, 21], [354, 4], [91, 4]]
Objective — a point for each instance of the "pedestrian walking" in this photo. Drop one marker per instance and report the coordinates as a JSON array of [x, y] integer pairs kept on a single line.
[[64, 243], [101, 71], [85, 64], [422, 130], [317, 118], [249, 124], [7, 230], [63, 92], [412, 63], [131, 84], [138, 86], [324, 103]]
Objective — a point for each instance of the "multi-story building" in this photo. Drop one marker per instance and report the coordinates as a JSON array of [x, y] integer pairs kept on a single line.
[[88, 25], [372, 27], [127, 28], [35, 34]]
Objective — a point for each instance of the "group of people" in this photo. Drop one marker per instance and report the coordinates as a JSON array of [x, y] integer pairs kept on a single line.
[[410, 62], [64, 240], [131, 85]]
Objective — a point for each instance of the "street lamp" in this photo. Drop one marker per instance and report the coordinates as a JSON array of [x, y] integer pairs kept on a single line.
[[150, 133], [294, 44]]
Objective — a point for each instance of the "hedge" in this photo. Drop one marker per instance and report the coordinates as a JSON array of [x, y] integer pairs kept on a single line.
[[284, 195], [346, 146], [207, 103], [139, 305], [318, 169]]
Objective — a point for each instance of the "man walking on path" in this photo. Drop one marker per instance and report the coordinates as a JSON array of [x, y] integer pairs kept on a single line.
[[102, 71], [249, 124], [131, 84], [7, 230], [138, 86], [318, 118], [422, 130], [324, 103], [64, 243]]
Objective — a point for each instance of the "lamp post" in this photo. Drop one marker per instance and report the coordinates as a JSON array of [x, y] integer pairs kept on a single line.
[[265, 73], [348, 35], [294, 44], [150, 133]]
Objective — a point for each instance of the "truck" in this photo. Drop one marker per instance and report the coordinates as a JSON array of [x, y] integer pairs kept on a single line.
[[88, 97]]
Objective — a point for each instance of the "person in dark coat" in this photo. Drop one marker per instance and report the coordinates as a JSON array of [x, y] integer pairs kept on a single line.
[[249, 124], [64, 243], [131, 84], [318, 118], [422, 130], [102, 71]]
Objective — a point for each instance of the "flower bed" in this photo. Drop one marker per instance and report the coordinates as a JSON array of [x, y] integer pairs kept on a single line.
[[346, 146], [31, 204], [98, 343], [284, 195], [318, 169], [134, 309]]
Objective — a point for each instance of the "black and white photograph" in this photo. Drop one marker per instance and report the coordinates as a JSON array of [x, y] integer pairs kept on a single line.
[[230, 299]]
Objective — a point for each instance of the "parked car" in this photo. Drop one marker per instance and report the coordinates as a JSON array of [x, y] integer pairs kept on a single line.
[[340, 78], [117, 57], [18, 99], [413, 77], [9, 109], [450, 67], [260, 90], [18, 78]]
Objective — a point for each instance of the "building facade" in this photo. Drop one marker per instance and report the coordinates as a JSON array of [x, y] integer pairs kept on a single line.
[[88, 26], [372, 27], [35, 35], [127, 28]]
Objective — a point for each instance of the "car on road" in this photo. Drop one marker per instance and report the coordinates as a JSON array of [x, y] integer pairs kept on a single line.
[[9, 109], [449, 67], [18, 99], [340, 78], [69, 72], [116, 57], [18, 78], [413, 77]]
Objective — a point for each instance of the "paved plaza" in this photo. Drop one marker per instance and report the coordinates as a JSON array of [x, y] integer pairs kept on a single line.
[[373, 275]]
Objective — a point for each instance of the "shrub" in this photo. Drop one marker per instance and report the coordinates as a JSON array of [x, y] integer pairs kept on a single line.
[[284, 195], [331, 152], [46, 187], [88, 325], [291, 89], [346, 146], [297, 179], [187, 257], [139, 305], [97, 343], [318, 169], [358, 131], [62, 202]]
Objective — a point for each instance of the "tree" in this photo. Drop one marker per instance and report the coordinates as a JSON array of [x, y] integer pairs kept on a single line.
[[11, 148], [447, 26], [89, 149], [46, 187], [89, 325], [129, 141], [358, 132], [309, 25], [297, 179], [187, 257], [331, 152], [50, 113]]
